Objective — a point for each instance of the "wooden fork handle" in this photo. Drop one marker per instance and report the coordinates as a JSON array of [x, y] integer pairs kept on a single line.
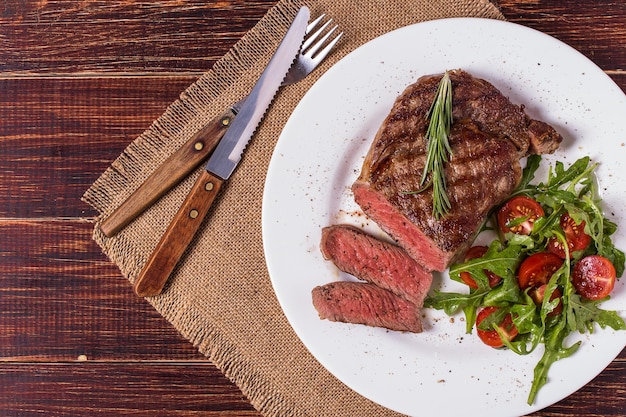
[[171, 172], [178, 235]]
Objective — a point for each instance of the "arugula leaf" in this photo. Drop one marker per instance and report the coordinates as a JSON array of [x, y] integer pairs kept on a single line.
[[528, 174], [573, 175], [525, 316], [506, 293], [616, 257], [554, 198], [600, 229], [499, 259], [554, 351], [529, 325], [452, 302], [493, 319], [586, 312], [471, 312]]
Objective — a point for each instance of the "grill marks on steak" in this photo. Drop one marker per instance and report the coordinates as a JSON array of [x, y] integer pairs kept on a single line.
[[482, 173], [376, 261], [488, 136], [474, 99], [362, 303]]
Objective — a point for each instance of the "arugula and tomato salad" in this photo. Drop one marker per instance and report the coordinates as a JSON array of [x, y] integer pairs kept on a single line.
[[547, 272]]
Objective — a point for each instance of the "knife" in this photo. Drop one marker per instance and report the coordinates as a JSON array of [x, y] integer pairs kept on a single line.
[[220, 165]]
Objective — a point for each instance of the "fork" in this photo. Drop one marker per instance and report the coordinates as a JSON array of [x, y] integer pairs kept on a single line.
[[318, 42], [311, 54]]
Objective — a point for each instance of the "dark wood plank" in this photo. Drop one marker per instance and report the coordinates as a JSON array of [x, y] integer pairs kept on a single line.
[[61, 298], [174, 36], [183, 389], [119, 389], [595, 28], [59, 134], [61, 36]]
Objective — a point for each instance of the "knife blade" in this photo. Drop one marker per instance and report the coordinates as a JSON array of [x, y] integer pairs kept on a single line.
[[220, 165]]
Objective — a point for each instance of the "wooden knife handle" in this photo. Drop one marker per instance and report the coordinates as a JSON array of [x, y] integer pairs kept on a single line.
[[170, 173], [178, 235]]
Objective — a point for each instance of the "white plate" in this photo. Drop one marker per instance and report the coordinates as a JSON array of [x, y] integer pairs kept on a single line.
[[442, 371]]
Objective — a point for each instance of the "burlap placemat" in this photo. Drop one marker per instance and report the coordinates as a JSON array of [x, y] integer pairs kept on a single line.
[[220, 296]]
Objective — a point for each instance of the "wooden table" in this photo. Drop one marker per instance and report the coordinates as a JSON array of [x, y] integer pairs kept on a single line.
[[79, 80]]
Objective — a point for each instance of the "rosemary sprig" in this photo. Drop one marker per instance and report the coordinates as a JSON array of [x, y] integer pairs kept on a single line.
[[440, 114]]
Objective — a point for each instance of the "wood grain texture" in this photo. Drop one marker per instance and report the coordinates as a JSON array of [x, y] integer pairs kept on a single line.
[[595, 28], [178, 235], [61, 298], [116, 389], [60, 134], [79, 80], [121, 36]]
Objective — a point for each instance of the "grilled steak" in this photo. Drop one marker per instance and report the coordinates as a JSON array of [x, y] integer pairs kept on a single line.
[[488, 137], [363, 303], [378, 262]]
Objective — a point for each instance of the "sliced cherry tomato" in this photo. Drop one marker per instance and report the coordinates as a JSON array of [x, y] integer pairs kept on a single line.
[[538, 294], [518, 215], [594, 277], [537, 269], [575, 237], [473, 253], [491, 337]]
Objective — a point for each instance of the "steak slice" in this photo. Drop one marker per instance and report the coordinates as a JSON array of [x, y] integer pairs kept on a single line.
[[379, 262], [364, 303], [488, 137]]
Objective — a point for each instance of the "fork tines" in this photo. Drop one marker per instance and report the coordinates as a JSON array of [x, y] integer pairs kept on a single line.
[[325, 41]]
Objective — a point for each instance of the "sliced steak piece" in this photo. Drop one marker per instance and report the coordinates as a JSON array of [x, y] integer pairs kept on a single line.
[[376, 261], [363, 303], [488, 137]]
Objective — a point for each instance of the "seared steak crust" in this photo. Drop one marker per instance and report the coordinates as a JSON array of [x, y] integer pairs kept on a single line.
[[488, 136], [363, 303], [378, 262], [472, 98]]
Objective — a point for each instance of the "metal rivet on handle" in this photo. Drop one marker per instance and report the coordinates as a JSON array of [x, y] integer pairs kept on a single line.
[[198, 146], [208, 186], [193, 213]]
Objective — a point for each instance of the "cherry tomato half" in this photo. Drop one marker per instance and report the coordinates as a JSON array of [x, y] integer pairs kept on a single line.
[[491, 337], [517, 208], [537, 269], [473, 253], [538, 294], [594, 277], [575, 237]]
